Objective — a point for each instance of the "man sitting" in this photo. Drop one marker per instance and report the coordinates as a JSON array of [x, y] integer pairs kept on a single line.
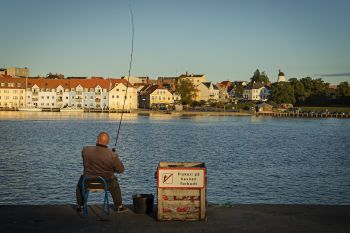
[[100, 161]]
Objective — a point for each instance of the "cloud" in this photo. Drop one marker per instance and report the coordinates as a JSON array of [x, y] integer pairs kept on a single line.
[[334, 75]]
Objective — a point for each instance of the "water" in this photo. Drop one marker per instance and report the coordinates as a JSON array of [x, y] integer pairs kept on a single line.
[[248, 159]]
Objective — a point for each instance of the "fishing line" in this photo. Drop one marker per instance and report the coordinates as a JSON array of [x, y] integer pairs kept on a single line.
[[130, 64]]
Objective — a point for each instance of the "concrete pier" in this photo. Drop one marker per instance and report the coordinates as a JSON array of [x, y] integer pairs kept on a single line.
[[237, 218], [304, 115]]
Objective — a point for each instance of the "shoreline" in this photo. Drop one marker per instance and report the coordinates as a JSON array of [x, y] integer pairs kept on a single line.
[[235, 218]]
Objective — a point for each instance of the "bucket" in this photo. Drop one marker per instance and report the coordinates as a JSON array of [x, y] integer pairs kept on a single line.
[[143, 203]]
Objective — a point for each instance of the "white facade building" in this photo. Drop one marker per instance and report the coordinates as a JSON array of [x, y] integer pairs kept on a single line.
[[256, 92], [207, 91], [120, 91]]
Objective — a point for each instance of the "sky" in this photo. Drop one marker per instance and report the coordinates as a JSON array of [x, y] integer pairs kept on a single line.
[[225, 40]]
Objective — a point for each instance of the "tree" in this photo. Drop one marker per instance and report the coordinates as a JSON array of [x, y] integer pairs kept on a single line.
[[307, 83], [282, 93], [343, 89], [259, 77], [185, 88], [238, 90], [299, 91]]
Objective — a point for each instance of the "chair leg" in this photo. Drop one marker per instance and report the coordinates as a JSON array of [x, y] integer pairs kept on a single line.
[[107, 203], [85, 207]]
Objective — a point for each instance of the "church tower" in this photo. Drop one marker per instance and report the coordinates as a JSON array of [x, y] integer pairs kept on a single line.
[[281, 77]]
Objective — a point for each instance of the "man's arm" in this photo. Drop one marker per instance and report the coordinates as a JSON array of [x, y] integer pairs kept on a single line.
[[118, 166]]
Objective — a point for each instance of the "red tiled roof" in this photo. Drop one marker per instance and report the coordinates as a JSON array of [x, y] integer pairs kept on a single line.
[[8, 79], [48, 83], [114, 82], [89, 83]]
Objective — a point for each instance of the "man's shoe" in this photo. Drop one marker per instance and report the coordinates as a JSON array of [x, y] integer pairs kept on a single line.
[[121, 209], [79, 208]]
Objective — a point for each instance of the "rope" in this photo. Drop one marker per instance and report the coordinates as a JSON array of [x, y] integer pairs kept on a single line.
[[127, 85]]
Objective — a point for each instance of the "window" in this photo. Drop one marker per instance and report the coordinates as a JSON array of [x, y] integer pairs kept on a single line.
[[117, 96], [42, 104], [130, 97], [2, 84], [47, 97], [53, 97], [117, 89], [47, 104], [104, 97], [85, 105], [11, 85], [66, 97], [53, 104], [85, 97], [91, 97], [112, 96], [42, 97], [14, 91]]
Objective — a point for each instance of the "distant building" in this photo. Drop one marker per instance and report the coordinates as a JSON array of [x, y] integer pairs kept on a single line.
[[281, 77], [67, 93], [224, 90], [196, 79], [133, 79], [167, 82], [77, 77], [256, 92], [12, 92], [153, 96], [19, 72], [264, 107], [207, 91], [3, 71], [122, 95], [241, 83]]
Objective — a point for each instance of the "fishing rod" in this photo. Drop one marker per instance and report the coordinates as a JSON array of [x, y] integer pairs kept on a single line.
[[129, 72]]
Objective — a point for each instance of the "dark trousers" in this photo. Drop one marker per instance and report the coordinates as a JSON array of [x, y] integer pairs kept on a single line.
[[113, 188]]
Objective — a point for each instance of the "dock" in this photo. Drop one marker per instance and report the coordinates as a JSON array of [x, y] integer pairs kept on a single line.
[[304, 115], [235, 218]]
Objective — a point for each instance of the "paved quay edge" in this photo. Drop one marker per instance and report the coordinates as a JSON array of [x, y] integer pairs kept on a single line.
[[235, 218]]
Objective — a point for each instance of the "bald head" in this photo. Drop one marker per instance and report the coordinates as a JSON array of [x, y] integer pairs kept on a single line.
[[103, 138]]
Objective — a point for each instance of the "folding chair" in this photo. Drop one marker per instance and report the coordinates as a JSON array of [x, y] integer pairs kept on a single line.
[[98, 184]]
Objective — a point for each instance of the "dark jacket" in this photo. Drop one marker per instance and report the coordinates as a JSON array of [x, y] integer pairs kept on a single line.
[[100, 161]]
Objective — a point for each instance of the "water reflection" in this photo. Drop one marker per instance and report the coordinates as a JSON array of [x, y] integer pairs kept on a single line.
[[249, 160]]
